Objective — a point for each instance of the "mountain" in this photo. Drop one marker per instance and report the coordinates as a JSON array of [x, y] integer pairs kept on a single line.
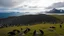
[[8, 14], [56, 11], [28, 19]]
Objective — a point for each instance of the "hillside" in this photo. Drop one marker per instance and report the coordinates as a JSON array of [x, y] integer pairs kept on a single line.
[[33, 19], [29, 19]]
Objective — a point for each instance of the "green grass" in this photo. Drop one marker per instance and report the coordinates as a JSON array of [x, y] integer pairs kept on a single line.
[[44, 27], [61, 17]]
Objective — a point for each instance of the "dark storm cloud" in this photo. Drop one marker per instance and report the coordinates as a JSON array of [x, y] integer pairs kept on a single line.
[[56, 5]]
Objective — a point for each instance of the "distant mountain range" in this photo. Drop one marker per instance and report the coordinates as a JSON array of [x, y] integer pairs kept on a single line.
[[56, 11]]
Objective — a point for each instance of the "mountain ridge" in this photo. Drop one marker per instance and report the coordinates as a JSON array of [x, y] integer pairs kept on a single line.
[[54, 10]]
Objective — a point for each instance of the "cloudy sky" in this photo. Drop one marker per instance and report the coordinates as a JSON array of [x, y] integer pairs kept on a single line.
[[29, 5]]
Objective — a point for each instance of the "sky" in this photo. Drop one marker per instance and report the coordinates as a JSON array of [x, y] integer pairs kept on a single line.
[[29, 5]]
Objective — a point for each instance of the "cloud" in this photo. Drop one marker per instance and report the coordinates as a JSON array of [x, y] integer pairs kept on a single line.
[[10, 3], [18, 6], [25, 5], [56, 5]]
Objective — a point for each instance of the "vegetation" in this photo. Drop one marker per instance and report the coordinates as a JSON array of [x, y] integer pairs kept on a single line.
[[61, 17], [45, 27]]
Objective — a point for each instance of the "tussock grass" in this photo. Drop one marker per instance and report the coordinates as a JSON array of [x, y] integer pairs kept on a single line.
[[57, 32]]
